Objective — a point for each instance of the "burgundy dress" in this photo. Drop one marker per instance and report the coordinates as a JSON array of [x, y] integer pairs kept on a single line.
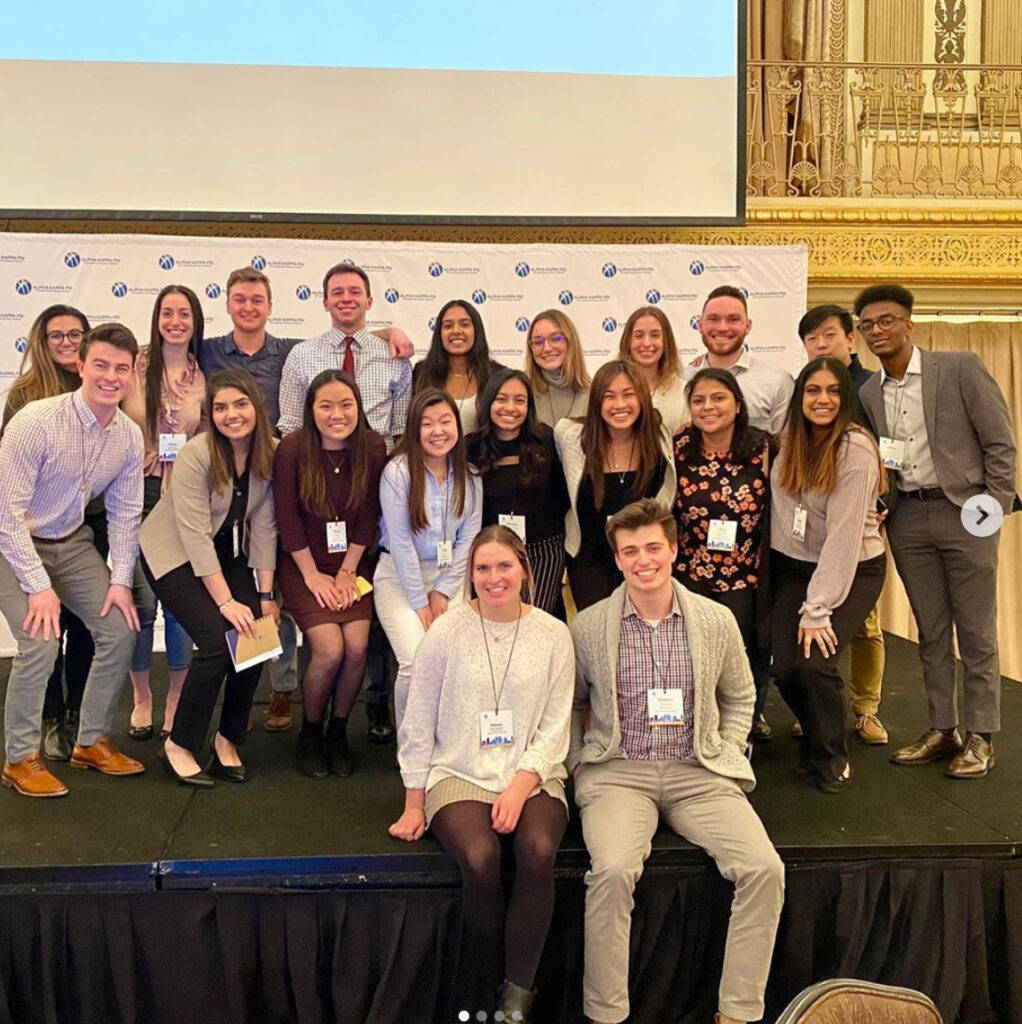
[[299, 527]]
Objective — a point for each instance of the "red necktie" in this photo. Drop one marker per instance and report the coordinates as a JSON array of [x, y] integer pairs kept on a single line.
[[348, 363]]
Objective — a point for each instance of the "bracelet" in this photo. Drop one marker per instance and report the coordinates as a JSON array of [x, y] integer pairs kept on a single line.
[[347, 572], [221, 607], [267, 595]]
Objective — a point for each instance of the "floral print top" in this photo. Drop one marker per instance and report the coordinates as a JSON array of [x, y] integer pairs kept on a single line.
[[714, 486]]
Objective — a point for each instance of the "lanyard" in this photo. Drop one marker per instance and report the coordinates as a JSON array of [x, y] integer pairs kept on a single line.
[[489, 660], [87, 470]]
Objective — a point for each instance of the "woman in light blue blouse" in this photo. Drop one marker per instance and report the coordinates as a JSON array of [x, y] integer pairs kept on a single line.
[[432, 505]]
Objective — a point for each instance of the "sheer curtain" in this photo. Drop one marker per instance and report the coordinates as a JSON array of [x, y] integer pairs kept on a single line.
[[999, 346]]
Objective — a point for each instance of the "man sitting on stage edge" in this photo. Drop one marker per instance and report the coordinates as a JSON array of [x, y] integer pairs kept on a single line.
[[670, 697], [945, 437], [57, 454]]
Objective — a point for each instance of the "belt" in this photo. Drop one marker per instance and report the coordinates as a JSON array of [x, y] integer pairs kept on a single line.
[[55, 540], [923, 494]]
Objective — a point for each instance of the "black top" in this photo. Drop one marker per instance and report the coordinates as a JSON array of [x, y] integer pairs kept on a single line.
[[223, 540], [617, 492], [543, 500]]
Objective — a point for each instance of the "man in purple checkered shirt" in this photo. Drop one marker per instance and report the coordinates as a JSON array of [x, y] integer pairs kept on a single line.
[[664, 700]]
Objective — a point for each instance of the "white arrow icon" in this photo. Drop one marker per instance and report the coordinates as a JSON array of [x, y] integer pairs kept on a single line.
[[982, 515]]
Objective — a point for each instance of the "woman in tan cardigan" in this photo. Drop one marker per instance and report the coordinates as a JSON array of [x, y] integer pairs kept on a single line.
[[215, 525]]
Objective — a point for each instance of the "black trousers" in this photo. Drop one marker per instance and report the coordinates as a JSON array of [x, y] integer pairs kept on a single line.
[[75, 651], [187, 599], [813, 687]]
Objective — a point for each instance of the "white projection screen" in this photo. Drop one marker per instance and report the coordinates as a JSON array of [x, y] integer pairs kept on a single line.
[[454, 111]]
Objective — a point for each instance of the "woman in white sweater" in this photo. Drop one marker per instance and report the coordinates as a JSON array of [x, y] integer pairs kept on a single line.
[[482, 746]]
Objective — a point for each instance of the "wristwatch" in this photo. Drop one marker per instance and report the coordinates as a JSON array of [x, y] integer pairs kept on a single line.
[[267, 595]]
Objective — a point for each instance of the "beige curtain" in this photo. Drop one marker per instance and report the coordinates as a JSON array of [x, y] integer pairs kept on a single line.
[[999, 345]]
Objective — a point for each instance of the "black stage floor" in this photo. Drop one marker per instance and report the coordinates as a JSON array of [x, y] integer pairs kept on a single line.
[[283, 829]]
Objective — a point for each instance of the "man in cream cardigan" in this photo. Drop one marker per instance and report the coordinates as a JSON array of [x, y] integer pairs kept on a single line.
[[663, 704]]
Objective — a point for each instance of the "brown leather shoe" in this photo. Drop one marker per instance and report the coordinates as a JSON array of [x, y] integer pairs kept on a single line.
[[931, 746], [279, 717], [870, 730], [29, 777], [105, 758], [974, 761]]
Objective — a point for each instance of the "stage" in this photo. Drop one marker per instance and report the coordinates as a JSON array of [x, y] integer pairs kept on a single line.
[[138, 900]]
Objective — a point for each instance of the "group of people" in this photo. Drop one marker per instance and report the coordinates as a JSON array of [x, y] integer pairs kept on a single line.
[[720, 524]]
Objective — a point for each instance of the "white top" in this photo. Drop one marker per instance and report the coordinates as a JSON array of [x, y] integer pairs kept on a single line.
[[438, 737], [469, 413], [670, 403], [903, 406], [767, 389]]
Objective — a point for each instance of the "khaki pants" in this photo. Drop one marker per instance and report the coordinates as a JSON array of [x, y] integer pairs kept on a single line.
[[867, 673], [621, 803]]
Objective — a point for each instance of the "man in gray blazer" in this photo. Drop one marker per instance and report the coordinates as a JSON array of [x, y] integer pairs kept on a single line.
[[945, 436], [664, 699]]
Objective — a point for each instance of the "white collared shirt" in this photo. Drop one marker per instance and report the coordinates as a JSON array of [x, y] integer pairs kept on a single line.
[[767, 389], [903, 411]]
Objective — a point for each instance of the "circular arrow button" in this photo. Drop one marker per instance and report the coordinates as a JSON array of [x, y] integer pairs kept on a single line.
[[982, 515]]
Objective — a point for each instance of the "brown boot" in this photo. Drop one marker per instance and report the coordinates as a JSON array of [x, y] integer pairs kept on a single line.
[[280, 716], [106, 758], [29, 777]]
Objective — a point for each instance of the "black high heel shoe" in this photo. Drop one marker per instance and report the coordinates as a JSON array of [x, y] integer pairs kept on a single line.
[[141, 732], [198, 780], [229, 773]]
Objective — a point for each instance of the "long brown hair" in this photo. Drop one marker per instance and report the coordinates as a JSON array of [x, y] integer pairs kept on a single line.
[[668, 366], [260, 446], [808, 462], [38, 372], [411, 448], [154, 353], [506, 536], [595, 438], [311, 476]]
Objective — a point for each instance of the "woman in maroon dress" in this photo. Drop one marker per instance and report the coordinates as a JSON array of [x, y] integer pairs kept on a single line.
[[326, 485]]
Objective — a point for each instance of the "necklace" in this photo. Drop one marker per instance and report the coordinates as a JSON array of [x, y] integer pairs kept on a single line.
[[489, 661], [336, 466], [468, 383], [616, 466]]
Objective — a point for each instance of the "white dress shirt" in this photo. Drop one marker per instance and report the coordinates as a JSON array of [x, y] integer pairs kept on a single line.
[[54, 459], [767, 389], [903, 410]]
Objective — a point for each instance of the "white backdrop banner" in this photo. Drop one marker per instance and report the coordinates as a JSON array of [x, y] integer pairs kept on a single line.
[[116, 278]]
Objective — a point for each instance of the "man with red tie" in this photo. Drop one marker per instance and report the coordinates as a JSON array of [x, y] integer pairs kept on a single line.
[[385, 383]]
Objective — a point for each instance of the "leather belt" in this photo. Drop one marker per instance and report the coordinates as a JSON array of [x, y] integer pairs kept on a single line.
[[923, 494]]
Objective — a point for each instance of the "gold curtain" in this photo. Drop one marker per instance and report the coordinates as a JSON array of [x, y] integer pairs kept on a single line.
[[999, 346]]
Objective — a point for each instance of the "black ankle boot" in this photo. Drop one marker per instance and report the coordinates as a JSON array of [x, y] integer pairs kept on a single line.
[[309, 754], [338, 753], [515, 1003]]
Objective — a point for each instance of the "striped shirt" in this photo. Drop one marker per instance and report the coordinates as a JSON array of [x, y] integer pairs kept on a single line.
[[385, 383], [654, 657], [54, 458]]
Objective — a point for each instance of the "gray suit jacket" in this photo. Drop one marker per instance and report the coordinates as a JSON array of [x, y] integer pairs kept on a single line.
[[724, 691], [967, 424], [181, 527]]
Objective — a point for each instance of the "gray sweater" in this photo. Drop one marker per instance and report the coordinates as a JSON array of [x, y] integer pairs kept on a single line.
[[724, 691]]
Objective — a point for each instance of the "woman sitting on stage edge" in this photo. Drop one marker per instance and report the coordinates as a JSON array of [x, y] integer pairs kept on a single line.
[[326, 490], [481, 748], [212, 527]]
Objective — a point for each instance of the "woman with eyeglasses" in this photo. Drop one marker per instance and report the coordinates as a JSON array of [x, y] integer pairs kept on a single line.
[[49, 367], [458, 361], [166, 401], [556, 368]]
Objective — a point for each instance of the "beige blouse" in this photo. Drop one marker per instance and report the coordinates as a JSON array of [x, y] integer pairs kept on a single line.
[[181, 412]]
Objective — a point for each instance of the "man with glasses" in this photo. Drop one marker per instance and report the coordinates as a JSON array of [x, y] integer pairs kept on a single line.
[[724, 326], [945, 436]]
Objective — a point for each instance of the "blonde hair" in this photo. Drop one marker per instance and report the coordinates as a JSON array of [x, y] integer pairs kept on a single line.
[[575, 374], [506, 536]]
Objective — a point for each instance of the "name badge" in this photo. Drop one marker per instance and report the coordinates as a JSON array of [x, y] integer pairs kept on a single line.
[[170, 445], [798, 526], [513, 522], [444, 554], [336, 537], [236, 538], [665, 707], [893, 453], [722, 535], [496, 728]]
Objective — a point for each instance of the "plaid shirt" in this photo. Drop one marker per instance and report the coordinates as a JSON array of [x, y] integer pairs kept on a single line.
[[385, 383], [54, 458], [654, 657]]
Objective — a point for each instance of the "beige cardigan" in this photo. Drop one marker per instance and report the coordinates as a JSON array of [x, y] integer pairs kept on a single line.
[[181, 527], [568, 438]]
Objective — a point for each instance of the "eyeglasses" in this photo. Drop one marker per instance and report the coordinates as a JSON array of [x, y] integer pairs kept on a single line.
[[56, 337], [885, 323], [554, 339]]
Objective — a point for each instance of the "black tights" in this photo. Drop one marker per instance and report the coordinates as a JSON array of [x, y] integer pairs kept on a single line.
[[465, 831]]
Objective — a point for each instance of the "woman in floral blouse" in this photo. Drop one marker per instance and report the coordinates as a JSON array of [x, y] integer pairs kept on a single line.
[[723, 468]]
